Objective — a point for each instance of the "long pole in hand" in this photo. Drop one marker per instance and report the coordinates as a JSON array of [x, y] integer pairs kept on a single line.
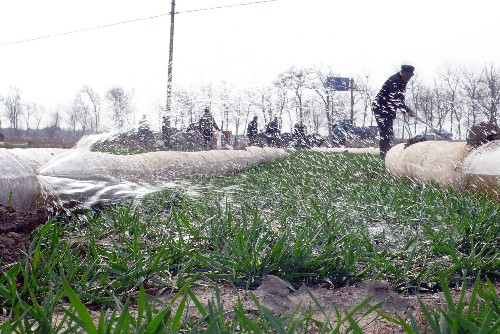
[[429, 125]]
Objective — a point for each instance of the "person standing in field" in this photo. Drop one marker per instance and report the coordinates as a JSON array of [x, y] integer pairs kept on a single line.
[[391, 98], [273, 131], [206, 126], [252, 130], [299, 134]]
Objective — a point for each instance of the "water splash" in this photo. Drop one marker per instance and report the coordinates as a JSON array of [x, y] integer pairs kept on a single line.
[[83, 178]]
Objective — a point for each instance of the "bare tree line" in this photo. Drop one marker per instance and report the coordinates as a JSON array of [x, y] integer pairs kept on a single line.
[[457, 98], [84, 114]]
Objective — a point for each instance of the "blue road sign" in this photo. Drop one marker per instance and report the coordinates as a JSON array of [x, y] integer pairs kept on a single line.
[[338, 83]]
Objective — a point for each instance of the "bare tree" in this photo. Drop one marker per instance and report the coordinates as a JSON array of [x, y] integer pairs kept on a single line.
[[182, 104], [38, 114], [363, 94], [28, 111], [440, 109], [320, 86], [33, 113], [427, 102], [185, 103], [225, 102], [79, 114], [72, 113], [14, 108], [297, 80], [248, 102], [419, 98], [471, 87], [451, 80], [264, 102], [491, 87], [313, 107], [206, 99], [94, 106], [207, 92], [281, 100], [237, 111], [120, 103], [54, 125]]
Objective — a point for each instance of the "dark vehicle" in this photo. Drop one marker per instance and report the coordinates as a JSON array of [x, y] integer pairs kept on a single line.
[[189, 138], [316, 140], [288, 140], [264, 139], [436, 135], [344, 131]]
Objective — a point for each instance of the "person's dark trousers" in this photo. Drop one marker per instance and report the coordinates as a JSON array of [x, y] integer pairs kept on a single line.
[[252, 139], [386, 134], [207, 140]]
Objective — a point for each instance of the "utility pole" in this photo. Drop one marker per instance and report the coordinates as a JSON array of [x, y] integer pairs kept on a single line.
[[170, 60], [166, 118]]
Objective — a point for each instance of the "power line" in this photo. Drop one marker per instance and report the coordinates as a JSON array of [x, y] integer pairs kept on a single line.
[[82, 30], [227, 6], [126, 22]]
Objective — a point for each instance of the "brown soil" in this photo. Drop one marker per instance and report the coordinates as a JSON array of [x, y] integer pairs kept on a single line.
[[275, 295], [483, 133], [14, 229]]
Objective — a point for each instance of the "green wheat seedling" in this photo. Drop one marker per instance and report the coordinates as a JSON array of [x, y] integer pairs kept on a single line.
[[480, 314]]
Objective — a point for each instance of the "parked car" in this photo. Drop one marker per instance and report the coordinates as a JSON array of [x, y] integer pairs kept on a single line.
[[436, 135], [344, 130]]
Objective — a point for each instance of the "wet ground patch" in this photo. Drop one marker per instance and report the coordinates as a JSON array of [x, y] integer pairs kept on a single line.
[[15, 227]]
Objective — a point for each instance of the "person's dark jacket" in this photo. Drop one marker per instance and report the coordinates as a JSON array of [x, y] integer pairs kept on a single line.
[[390, 98], [272, 128], [299, 131], [206, 124], [252, 128]]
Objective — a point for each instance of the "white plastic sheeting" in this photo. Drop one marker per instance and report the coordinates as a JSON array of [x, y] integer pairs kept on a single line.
[[481, 169], [453, 164], [84, 177], [18, 182], [438, 161], [87, 177]]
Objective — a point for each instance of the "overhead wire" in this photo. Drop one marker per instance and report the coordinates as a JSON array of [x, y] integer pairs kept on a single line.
[[128, 21], [225, 6], [81, 30]]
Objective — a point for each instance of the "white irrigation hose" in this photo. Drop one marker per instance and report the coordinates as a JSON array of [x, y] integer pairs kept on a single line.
[[449, 164], [29, 176]]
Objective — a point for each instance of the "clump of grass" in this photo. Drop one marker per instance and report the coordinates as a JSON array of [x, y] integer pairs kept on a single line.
[[479, 314]]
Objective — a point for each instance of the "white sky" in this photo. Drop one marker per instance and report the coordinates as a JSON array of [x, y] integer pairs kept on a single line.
[[245, 45]]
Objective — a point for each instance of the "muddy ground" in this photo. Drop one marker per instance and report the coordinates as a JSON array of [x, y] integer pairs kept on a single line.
[[14, 229]]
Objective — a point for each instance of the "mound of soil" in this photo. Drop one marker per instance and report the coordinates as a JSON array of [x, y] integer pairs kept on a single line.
[[127, 141], [14, 229], [483, 133], [414, 140]]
